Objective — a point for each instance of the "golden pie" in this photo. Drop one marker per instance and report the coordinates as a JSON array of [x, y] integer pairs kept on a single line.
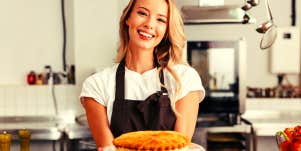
[[152, 140]]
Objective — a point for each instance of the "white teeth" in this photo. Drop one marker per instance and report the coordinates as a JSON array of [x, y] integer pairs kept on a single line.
[[145, 34]]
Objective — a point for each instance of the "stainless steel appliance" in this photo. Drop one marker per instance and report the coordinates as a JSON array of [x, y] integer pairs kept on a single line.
[[221, 65], [218, 13]]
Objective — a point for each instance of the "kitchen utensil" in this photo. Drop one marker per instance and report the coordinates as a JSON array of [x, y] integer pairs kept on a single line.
[[268, 29], [246, 7], [268, 37], [249, 4], [246, 19], [253, 2]]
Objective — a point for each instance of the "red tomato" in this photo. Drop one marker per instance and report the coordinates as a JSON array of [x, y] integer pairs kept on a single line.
[[297, 130], [285, 146], [297, 139], [289, 133], [292, 141], [296, 146]]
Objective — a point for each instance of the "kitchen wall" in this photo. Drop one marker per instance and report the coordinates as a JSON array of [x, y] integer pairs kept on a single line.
[[32, 37], [96, 35], [38, 100]]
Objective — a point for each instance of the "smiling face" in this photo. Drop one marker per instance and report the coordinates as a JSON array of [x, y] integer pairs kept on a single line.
[[147, 23]]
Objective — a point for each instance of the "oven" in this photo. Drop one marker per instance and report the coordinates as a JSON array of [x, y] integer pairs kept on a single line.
[[221, 64]]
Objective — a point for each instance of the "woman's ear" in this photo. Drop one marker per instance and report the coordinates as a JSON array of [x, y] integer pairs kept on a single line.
[[127, 22]]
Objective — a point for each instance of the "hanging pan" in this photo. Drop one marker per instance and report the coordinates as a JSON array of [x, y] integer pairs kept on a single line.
[[268, 29]]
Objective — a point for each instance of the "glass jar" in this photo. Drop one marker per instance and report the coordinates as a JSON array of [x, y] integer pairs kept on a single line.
[[5, 140], [24, 137]]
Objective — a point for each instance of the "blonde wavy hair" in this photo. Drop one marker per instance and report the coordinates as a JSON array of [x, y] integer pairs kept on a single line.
[[168, 52]]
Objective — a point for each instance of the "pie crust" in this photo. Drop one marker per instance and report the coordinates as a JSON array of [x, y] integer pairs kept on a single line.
[[151, 140]]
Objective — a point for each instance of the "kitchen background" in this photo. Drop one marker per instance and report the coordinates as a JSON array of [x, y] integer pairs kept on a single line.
[[32, 37]]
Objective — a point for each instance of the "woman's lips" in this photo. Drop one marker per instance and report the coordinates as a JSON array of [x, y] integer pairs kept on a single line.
[[145, 35]]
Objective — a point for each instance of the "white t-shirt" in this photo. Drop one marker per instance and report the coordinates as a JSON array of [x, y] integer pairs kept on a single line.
[[101, 85]]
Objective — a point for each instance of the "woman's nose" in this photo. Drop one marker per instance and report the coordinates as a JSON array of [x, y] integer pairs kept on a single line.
[[149, 23]]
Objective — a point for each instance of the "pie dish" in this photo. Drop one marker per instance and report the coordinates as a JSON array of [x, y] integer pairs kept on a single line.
[[152, 140]]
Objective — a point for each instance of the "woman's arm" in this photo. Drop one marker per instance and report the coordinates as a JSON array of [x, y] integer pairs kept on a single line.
[[98, 122], [188, 108]]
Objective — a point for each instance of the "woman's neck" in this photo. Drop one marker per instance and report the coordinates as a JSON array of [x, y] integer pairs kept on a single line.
[[140, 60]]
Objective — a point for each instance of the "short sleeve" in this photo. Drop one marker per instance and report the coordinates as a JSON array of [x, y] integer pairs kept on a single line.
[[191, 81], [94, 88]]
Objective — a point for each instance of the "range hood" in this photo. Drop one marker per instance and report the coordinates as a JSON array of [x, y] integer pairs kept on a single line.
[[215, 15]]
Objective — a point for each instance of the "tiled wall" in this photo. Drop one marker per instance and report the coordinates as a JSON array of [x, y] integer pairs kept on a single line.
[[16, 100]]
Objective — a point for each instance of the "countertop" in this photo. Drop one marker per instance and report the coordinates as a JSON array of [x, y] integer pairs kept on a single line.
[[269, 115], [54, 128], [267, 123], [44, 128]]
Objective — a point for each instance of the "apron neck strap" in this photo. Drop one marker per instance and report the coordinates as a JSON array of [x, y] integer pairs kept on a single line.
[[119, 92], [161, 76]]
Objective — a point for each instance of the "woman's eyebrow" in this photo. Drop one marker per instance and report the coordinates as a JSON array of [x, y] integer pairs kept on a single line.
[[143, 8], [162, 15]]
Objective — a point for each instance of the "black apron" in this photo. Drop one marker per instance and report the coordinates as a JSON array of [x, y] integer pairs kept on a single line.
[[154, 113]]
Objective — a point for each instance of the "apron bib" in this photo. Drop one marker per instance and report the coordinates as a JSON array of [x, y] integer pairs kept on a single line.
[[153, 113]]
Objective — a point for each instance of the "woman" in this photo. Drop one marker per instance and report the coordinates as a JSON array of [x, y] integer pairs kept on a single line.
[[150, 87]]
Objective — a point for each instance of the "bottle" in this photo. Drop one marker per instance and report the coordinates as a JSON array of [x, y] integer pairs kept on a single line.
[[40, 79], [31, 78], [5, 140], [212, 82], [71, 74], [24, 136]]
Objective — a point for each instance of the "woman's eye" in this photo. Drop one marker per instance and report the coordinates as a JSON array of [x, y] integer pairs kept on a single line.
[[162, 20], [142, 13]]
